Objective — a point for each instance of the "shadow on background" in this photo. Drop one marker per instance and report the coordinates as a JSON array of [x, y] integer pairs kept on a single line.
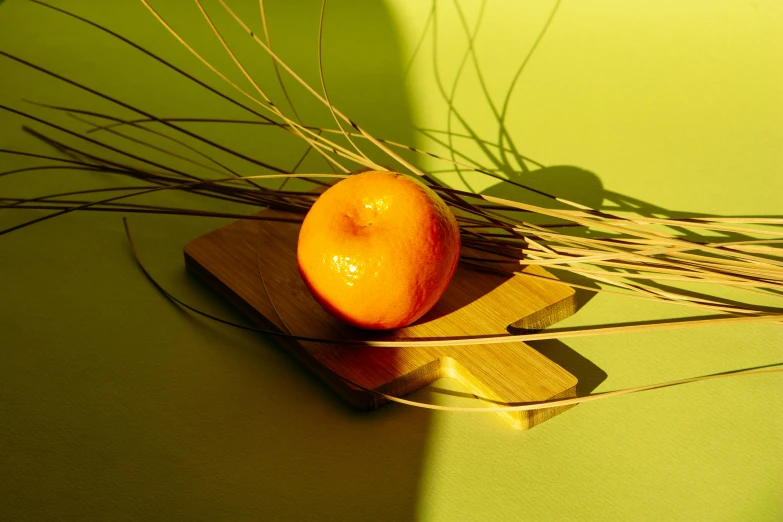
[[589, 375], [189, 419]]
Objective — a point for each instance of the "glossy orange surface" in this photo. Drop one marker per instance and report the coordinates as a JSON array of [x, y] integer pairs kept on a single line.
[[378, 249]]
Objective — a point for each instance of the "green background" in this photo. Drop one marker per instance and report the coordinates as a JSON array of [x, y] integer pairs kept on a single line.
[[117, 405]]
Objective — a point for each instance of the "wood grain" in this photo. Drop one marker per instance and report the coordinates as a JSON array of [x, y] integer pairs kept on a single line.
[[476, 303]]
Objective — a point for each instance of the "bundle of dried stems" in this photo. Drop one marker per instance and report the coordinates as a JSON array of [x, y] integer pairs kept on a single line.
[[618, 253]]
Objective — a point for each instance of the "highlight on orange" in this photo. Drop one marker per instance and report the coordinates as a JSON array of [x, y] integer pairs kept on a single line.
[[378, 249]]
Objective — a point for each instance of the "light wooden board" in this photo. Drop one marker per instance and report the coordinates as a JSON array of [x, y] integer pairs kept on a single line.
[[476, 303]]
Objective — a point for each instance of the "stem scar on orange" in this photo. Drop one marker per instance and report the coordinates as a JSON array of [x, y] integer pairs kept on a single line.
[[378, 249]]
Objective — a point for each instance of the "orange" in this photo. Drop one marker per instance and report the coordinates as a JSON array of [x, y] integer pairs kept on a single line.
[[378, 249]]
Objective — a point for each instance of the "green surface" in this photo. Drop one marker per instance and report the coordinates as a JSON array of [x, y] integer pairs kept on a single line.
[[116, 405]]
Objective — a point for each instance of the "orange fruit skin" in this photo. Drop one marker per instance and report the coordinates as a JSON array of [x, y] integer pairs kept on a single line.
[[378, 249]]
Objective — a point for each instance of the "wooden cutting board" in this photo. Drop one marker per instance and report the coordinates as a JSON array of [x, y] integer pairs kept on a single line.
[[476, 303]]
